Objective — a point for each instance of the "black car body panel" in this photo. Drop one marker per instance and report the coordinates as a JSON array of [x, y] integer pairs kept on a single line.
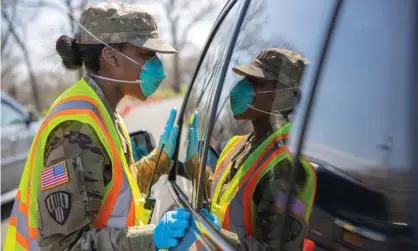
[[363, 129]]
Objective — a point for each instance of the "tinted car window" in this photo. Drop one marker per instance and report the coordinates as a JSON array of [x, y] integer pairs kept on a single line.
[[272, 24], [9, 115], [361, 126], [361, 123], [204, 87]]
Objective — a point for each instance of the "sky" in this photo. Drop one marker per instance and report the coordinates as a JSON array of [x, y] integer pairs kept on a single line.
[[50, 24]]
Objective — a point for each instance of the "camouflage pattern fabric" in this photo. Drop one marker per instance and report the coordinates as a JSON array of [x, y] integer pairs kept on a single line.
[[90, 171], [120, 23], [276, 64], [286, 69]]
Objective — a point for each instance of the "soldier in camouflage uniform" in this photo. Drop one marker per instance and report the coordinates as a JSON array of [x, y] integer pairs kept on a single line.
[[132, 31], [275, 76]]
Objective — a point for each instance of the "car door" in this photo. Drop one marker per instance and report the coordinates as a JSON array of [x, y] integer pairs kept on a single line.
[[366, 168], [363, 125], [15, 144]]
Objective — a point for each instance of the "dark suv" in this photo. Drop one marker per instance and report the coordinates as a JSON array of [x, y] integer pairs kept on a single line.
[[358, 108]]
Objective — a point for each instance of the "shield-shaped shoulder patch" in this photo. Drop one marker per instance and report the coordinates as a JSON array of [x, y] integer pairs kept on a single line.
[[59, 206]]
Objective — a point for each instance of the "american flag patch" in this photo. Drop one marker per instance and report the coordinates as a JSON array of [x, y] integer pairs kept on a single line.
[[297, 206], [54, 176]]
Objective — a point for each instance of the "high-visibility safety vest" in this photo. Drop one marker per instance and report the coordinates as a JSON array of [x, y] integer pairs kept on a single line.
[[234, 207], [122, 205]]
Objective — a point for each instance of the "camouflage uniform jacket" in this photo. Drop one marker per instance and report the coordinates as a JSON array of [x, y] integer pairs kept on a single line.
[[77, 142], [268, 217]]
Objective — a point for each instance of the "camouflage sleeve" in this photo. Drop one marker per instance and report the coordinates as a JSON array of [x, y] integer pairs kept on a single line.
[[68, 208], [146, 166], [269, 216]]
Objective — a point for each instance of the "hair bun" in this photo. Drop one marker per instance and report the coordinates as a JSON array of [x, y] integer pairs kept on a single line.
[[67, 49]]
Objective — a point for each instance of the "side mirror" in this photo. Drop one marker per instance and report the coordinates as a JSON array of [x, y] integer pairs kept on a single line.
[[142, 143]]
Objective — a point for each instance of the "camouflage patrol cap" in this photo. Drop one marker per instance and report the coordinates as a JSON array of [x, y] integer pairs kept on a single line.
[[276, 64], [121, 23]]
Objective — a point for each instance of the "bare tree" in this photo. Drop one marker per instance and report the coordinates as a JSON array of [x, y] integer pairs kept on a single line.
[[71, 9], [9, 14], [8, 72], [186, 14]]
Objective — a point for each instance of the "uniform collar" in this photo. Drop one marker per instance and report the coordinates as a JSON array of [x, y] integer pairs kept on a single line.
[[90, 81], [114, 114]]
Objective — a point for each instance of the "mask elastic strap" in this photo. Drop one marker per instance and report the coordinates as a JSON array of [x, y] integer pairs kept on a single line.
[[269, 113], [91, 34], [276, 90], [117, 80]]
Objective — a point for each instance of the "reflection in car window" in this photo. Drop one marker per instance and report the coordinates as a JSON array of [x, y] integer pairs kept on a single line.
[[204, 87], [361, 119], [9, 115], [264, 28], [268, 24]]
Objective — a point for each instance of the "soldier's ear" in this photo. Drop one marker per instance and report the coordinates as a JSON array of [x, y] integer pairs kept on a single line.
[[109, 55]]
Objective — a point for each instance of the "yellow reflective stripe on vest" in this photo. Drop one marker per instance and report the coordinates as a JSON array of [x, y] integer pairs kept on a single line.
[[88, 116], [242, 174], [19, 230], [224, 163], [238, 195], [241, 178], [82, 87], [308, 192], [144, 214], [22, 231]]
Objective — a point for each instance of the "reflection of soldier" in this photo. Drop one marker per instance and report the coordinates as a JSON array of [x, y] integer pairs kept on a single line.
[[81, 189], [249, 185]]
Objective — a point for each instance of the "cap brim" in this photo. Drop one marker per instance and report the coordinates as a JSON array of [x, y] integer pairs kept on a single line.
[[154, 44], [250, 70]]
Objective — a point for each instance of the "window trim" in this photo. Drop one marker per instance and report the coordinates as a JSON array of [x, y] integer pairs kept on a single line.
[[13, 108], [414, 173], [213, 113], [219, 21], [213, 235]]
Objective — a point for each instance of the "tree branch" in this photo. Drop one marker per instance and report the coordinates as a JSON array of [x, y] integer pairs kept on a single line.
[[198, 16], [6, 36], [26, 58]]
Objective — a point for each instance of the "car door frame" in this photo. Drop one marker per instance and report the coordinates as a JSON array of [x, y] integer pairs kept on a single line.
[[177, 194], [306, 118], [179, 197]]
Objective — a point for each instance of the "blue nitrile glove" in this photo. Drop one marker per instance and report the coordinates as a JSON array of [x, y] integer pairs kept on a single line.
[[193, 138], [169, 136], [190, 237], [171, 227], [211, 217]]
